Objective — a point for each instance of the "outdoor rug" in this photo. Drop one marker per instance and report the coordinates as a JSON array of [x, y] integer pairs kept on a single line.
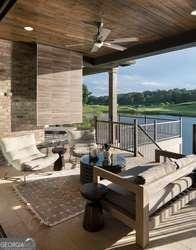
[[53, 200]]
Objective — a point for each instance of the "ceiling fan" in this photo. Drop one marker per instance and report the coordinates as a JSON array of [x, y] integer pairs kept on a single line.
[[100, 39], [103, 33]]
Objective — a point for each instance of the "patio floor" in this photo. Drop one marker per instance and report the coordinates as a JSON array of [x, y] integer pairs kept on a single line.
[[177, 232]]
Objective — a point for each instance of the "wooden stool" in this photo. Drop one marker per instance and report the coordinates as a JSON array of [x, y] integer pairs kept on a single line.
[[93, 216]]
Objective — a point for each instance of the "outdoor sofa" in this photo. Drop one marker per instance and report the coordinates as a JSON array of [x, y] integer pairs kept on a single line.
[[138, 193]]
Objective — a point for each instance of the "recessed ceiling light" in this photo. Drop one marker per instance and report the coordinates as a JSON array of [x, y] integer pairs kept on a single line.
[[28, 28], [193, 13]]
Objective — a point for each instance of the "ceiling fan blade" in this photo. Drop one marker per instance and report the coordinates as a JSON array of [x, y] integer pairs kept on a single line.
[[74, 45], [95, 48], [114, 46], [104, 33], [124, 40]]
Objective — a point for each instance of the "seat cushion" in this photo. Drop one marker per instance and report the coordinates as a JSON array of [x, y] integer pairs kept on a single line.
[[149, 172], [133, 172], [18, 142], [39, 163], [125, 200], [157, 172], [23, 153], [183, 162], [81, 149]]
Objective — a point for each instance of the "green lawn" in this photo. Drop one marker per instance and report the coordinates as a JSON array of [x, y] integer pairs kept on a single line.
[[185, 109]]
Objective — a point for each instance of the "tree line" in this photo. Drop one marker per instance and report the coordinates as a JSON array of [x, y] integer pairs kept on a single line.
[[146, 98]]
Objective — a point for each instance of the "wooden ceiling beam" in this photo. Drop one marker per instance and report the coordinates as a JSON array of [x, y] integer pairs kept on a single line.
[[5, 6], [184, 40]]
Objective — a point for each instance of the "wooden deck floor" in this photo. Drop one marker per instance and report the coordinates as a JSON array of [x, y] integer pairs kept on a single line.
[[177, 232]]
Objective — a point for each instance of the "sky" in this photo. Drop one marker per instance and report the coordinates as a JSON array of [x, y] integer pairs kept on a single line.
[[170, 70]]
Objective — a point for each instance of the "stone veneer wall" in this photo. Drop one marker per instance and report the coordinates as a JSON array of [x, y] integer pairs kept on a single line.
[[39, 85], [18, 110], [5, 87], [23, 86]]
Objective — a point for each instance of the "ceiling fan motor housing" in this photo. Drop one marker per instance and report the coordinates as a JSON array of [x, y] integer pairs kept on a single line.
[[99, 44]]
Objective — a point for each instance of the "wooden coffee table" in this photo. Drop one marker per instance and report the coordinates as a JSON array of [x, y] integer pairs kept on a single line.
[[86, 166]]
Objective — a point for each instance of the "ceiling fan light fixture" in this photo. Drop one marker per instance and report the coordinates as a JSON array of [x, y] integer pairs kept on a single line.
[[28, 28], [193, 13], [99, 44]]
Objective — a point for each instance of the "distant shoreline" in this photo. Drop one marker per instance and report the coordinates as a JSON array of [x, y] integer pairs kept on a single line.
[[182, 109]]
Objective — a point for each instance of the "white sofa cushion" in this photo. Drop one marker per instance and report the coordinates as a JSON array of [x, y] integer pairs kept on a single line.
[[24, 153], [156, 172], [39, 163], [149, 172], [18, 142], [21, 152], [183, 162]]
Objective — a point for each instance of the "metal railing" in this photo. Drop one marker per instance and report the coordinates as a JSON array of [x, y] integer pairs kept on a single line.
[[194, 138], [134, 137], [163, 130], [119, 135], [146, 144]]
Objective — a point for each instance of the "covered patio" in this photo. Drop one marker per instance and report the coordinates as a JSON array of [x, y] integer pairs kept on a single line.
[[175, 232], [46, 47]]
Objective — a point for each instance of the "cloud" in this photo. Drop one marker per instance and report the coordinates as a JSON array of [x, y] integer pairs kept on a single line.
[[149, 83], [97, 84], [163, 71]]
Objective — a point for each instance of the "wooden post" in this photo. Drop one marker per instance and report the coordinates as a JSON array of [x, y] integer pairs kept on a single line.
[[155, 130], [112, 102], [194, 138], [135, 137], [142, 218]]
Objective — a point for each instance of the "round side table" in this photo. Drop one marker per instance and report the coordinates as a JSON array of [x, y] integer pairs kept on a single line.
[[93, 220], [60, 162]]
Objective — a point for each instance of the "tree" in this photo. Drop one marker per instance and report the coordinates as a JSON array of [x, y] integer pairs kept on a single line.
[[147, 98], [86, 93]]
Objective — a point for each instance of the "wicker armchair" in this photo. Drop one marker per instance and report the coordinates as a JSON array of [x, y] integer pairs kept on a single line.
[[80, 142]]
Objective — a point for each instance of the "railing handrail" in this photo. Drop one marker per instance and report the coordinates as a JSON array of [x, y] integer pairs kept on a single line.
[[158, 123], [147, 117], [122, 123], [152, 140]]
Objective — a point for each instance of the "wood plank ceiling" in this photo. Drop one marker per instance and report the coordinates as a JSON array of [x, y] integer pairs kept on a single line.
[[62, 23]]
